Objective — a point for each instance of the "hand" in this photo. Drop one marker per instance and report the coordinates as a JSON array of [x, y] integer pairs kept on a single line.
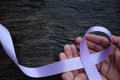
[[109, 69]]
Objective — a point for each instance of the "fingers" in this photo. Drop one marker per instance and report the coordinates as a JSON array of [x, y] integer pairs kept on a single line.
[[102, 41], [68, 54], [67, 76], [68, 51], [93, 47], [78, 40], [116, 40], [74, 50], [117, 59], [95, 43], [75, 53], [81, 76], [62, 56]]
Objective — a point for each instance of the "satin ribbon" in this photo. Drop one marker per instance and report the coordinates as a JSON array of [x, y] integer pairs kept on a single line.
[[86, 60]]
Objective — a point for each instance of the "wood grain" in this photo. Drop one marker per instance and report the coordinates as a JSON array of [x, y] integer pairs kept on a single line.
[[40, 29]]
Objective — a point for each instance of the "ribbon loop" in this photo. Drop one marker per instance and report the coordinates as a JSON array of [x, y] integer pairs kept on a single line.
[[86, 60], [89, 60]]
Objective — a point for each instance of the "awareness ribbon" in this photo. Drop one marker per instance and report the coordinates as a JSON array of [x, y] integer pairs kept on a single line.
[[86, 60]]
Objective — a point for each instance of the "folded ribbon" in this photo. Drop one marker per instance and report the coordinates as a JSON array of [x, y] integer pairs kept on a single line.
[[86, 60]]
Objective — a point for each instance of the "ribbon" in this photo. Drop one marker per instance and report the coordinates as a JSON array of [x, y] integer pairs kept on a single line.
[[86, 60]]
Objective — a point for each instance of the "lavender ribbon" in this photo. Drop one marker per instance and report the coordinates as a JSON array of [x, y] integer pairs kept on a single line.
[[86, 60]]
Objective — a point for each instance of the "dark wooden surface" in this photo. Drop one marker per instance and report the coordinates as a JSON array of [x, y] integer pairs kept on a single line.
[[40, 29]]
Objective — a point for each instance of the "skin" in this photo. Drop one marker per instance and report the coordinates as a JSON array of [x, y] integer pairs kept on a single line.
[[109, 69]]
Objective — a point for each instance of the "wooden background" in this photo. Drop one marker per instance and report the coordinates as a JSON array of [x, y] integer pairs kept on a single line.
[[40, 29]]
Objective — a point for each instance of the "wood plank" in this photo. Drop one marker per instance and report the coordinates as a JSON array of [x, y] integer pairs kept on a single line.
[[40, 29]]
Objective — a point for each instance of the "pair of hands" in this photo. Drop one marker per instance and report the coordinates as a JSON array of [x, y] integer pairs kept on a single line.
[[109, 69]]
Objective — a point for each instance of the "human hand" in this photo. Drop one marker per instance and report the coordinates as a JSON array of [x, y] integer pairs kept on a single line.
[[109, 69]]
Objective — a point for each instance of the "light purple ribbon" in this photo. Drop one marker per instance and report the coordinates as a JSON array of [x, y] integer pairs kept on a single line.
[[86, 60]]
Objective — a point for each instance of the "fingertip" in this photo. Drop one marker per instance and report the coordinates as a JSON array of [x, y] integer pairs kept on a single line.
[[78, 39], [74, 50], [66, 46], [62, 56], [72, 46], [63, 76], [68, 51]]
